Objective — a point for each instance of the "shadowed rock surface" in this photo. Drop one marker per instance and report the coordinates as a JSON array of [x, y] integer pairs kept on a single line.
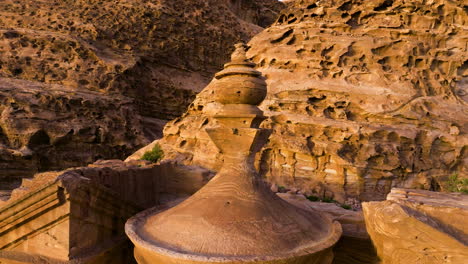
[[83, 80], [355, 245], [362, 96], [50, 126], [78, 215]]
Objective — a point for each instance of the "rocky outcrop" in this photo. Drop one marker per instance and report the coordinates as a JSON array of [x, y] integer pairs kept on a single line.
[[415, 226], [159, 52], [48, 126], [258, 12], [362, 96], [83, 80]]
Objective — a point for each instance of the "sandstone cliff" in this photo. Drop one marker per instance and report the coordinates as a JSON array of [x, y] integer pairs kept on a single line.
[[50, 126], [84, 80], [362, 96]]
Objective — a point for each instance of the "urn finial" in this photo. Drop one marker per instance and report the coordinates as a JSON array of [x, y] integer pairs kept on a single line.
[[239, 54], [239, 82]]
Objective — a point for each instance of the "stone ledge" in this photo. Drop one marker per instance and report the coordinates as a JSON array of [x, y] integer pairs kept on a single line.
[[415, 226]]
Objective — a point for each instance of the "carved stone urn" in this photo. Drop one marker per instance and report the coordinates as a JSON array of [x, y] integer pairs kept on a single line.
[[235, 218]]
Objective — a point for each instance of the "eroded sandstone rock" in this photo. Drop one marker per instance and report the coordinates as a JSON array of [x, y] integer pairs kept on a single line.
[[362, 96], [415, 226], [159, 52], [49, 126], [83, 80]]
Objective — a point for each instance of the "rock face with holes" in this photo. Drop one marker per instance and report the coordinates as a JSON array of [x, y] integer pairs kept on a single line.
[[45, 126], [128, 46], [362, 96], [415, 226], [83, 80]]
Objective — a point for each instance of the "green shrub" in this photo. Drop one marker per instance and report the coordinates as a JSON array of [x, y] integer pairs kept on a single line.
[[312, 198], [154, 155], [455, 184], [346, 206], [328, 200]]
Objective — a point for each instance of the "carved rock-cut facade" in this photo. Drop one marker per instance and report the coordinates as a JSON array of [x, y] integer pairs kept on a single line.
[[78, 215]]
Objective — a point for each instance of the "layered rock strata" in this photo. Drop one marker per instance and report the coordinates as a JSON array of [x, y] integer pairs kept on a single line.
[[362, 96], [83, 80], [414, 226], [78, 215]]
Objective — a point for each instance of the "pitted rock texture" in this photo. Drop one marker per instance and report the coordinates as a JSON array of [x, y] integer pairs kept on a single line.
[[362, 96], [98, 79], [50, 126], [160, 52]]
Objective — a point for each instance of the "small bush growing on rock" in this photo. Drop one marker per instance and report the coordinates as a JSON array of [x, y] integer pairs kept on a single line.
[[346, 206], [328, 200], [312, 198], [154, 155], [455, 184]]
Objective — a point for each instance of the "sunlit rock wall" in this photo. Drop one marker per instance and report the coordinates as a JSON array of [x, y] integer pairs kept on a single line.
[[362, 96], [84, 80]]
